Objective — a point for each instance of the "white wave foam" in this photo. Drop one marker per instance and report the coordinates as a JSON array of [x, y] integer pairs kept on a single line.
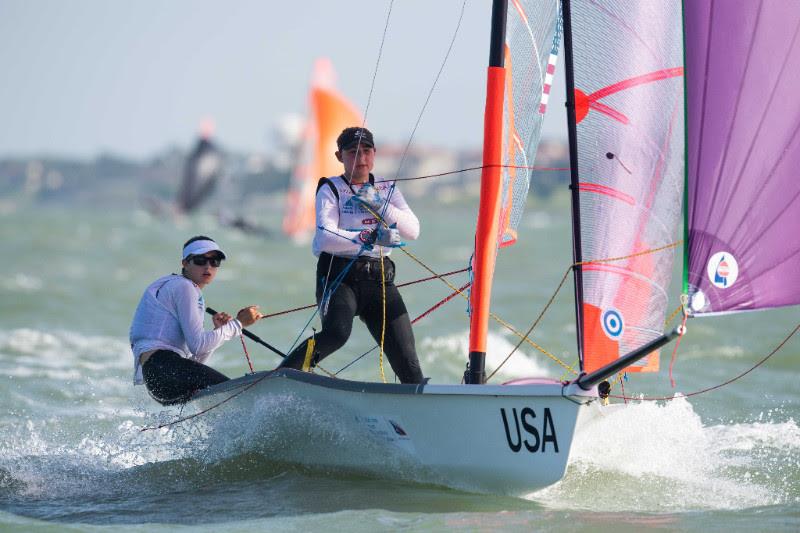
[[38, 459], [62, 350], [449, 353], [653, 457], [22, 283]]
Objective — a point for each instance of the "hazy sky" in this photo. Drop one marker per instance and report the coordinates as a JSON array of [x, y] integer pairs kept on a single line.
[[80, 77]]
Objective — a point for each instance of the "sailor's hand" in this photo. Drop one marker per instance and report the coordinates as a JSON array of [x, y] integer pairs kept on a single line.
[[368, 196], [220, 319], [366, 238], [388, 237], [248, 315]]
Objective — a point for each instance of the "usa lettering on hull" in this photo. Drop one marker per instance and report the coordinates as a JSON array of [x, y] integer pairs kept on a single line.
[[524, 429]]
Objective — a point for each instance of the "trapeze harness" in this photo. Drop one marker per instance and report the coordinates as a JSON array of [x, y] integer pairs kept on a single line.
[[359, 292]]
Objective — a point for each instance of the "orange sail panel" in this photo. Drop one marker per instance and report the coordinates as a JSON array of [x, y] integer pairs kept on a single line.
[[329, 114]]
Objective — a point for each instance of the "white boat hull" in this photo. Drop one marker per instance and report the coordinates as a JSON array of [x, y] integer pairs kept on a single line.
[[510, 439]]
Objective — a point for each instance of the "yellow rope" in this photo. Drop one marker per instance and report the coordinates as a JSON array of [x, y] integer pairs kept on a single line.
[[560, 285], [675, 313], [383, 322], [426, 267], [526, 337], [623, 257], [330, 374]]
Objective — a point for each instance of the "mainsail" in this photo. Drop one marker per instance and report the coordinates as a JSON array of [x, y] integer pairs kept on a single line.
[[742, 86], [329, 114], [628, 100]]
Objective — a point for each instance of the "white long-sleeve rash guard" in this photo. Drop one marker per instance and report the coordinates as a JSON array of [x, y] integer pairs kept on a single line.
[[339, 222], [170, 317]]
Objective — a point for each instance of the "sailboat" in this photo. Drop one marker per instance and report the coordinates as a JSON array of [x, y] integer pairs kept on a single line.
[[329, 113], [636, 138], [203, 170]]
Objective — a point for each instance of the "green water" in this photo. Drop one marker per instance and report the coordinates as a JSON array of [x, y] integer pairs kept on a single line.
[[72, 456]]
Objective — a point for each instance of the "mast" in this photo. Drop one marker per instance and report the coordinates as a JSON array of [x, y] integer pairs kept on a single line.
[[489, 207], [572, 132]]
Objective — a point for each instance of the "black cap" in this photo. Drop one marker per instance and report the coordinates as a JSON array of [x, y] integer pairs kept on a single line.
[[351, 137]]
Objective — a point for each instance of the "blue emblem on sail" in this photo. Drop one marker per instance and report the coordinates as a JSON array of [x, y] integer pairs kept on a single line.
[[721, 273], [613, 325]]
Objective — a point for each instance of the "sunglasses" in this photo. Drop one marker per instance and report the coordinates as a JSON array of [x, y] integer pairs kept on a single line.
[[201, 260]]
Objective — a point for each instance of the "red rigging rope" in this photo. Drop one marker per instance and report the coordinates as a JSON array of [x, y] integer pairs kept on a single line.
[[442, 302], [433, 308], [469, 169], [675, 350], [709, 389], [401, 285], [246, 354]]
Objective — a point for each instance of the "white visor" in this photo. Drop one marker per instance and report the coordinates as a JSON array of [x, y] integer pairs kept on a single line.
[[201, 247]]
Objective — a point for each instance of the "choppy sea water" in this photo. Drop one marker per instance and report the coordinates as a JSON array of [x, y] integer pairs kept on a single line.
[[72, 456]]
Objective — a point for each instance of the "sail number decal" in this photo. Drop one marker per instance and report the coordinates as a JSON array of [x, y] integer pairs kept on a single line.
[[527, 429]]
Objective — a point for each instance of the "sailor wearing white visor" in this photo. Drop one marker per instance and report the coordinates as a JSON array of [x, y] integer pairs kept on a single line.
[[167, 337]]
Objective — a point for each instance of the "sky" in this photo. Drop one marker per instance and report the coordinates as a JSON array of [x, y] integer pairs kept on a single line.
[[133, 77]]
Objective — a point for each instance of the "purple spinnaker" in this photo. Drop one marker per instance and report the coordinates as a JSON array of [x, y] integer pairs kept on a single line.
[[742, 61]]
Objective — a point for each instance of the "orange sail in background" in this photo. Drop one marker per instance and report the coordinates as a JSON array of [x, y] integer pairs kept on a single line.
[[329, 114]]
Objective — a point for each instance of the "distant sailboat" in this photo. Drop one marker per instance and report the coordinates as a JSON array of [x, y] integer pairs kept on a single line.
[[203, 170], [329, 113]]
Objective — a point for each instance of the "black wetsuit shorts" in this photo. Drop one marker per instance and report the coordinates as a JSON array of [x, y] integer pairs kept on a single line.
[[172, 379]]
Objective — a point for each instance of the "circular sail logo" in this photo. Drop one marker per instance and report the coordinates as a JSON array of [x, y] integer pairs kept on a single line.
[[723, 270], [613, 324]]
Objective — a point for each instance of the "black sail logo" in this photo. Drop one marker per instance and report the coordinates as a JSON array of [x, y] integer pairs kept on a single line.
[[524, 429]]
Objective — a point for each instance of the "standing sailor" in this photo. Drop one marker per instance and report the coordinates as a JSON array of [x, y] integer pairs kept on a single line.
[[167, 337], [352, 236]]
